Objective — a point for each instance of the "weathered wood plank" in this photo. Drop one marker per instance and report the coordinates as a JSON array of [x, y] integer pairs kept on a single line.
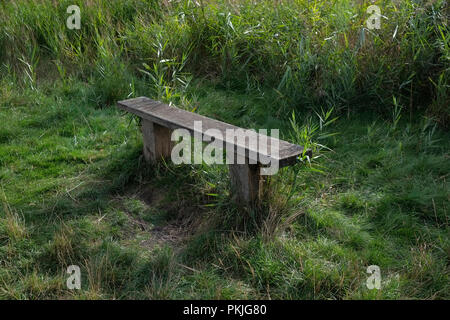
[[247, 182], [157, 142], [174, 118]]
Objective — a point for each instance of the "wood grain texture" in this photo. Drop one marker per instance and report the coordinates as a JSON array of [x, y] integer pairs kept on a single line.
[[156, 140], [246, 182], [174, 118]]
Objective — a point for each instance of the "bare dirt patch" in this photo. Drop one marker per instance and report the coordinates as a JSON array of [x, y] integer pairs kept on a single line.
[[183, 224]]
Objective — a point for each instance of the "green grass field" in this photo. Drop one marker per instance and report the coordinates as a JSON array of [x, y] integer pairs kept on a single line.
[[372, 104]]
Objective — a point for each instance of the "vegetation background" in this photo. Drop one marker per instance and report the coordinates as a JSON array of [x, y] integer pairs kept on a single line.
[[372, 104]]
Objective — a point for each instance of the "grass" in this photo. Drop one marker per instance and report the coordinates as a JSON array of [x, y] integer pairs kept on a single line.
[[380, 197], [312, 53], [75, 189]]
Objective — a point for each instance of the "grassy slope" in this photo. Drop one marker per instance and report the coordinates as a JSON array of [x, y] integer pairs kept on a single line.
[[169, 231]]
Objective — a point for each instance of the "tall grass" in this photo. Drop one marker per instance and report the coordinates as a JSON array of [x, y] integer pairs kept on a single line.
[[312, 53]]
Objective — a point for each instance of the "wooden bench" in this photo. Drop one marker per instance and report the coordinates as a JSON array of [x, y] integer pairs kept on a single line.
[[159, 120]]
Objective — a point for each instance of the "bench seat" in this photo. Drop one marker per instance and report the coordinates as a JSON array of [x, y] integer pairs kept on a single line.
[[159, 119]]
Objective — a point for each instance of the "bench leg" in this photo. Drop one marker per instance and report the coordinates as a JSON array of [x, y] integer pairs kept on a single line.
[[157, 143], [247, 183]]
